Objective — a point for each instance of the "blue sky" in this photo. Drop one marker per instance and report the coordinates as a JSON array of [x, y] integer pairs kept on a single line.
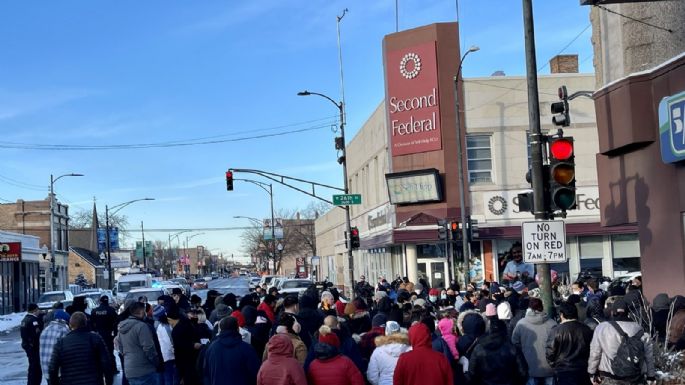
[[131, 72]]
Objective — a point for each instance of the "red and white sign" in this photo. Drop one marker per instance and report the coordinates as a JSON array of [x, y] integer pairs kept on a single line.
[[413, 99], [10, 252]]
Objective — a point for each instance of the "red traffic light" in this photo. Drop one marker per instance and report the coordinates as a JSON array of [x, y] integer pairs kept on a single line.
[[229, 174], [561, 149], [454, 226], [354, 231]]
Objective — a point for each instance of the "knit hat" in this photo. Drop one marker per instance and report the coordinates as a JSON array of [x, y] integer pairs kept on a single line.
[[379, 295], [420, 302], [504, 311], [490, 310], [434, 292], [661, 302], [379, 320], [326, 336], [222, 311], [61, 314], [535, 293], [391, 327], [518, 286], [158, 311], [239, 316]]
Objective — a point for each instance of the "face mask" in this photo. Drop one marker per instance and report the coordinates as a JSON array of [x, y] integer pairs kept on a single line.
[[443, 296], [433, 298], [576, 292], [417, 291]]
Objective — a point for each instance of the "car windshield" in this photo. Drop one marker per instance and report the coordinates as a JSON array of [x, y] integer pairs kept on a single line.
[[54, 297], [125, 287], [200, 280], [296, 284], [267, 280], [151, 295]]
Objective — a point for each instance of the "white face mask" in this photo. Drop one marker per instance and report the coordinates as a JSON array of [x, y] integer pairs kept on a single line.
[[417, 291], [433, 298], [443, 296]]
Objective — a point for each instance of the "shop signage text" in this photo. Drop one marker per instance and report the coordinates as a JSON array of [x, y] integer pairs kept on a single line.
[[503, 205], [10, 252], [672, 127], [414, 186]]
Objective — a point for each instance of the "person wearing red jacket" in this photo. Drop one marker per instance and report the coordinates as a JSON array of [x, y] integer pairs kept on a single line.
[[422, 365], [267, 306], [281, 368], [330, 367]]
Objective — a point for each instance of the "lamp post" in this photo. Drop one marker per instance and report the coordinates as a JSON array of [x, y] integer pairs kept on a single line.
[[460, 169], [269, 191], [53, 280], [340, 145], [116, 208]]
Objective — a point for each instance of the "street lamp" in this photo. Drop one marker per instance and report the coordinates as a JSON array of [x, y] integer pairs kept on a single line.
[[109, 248], [340, 145], [53, 279], [460, 169], [269, 191]]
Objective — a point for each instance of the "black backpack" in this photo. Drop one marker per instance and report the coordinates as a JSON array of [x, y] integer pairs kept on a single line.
[[630, 355]]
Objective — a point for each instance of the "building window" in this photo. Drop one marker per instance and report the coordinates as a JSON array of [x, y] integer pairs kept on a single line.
[[626, 251], [479, 158], [591, 252]]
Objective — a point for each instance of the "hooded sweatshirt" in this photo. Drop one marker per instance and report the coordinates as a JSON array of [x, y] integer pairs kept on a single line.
[[332, 368], [137, 345], [422, 365], [530, 336], [385, 356], [281, 368], [472, 326], [229, 355], [446, 325]]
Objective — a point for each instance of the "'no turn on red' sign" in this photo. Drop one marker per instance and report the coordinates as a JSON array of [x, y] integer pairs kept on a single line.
[[544, 242]]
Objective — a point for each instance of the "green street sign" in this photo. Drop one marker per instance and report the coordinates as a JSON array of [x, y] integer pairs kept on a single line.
[[347, 199]]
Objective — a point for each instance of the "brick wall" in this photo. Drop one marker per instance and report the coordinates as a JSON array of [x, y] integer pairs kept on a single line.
[[77, 266]]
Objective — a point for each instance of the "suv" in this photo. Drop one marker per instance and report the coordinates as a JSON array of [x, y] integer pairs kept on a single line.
[[293, 286], [49, 298]]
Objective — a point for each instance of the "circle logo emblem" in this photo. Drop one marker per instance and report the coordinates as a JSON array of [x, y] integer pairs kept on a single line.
[[410, 65], [497, 205]]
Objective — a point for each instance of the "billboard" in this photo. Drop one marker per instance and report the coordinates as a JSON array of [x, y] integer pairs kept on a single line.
[[113, 239], [413, 99]]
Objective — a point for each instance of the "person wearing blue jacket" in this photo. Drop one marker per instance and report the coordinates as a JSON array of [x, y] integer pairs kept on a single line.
[[229, 355]]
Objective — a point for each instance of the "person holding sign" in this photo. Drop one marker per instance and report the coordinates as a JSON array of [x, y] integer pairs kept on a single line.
[[517, 270]]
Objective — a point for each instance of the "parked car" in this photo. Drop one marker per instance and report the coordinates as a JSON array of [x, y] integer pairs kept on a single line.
[[150, 293], [184, 284], [294, 286], [49, 298], [168, 286], [95, 295], [266, 280], [254, 281], [276, 282], [90, 303], [199, 284], [236, 285], [623, 281]]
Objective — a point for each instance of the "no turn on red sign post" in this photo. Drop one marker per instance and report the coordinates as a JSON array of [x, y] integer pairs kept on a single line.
[[544, 241]]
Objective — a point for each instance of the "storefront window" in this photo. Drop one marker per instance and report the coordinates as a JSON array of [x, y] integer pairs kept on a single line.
[[626, 252], [479, 158], [591, 253], [430, 251]]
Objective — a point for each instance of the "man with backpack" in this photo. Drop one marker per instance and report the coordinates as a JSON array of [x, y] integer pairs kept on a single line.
[[620, 351]]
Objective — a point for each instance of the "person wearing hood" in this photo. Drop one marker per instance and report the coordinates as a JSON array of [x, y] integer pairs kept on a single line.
[[53, 332], [281, 368], [568, 349], [163, 331], [530, 336], [137, 345], [228, 355], [210, 302], [330, 366], [471, 326], [495, 361], [181, 300], [348, 346], [660, 309], [327, 306], [259, 332], [504, 312], [309, 318], [446, 327], [594, 313], [359, 319], [422, 365], [367, 343], [288, 325], [244, 333], [389, 347], [519, 313], [213, 316]]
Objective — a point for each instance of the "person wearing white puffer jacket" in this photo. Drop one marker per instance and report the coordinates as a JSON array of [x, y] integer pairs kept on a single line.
[[384, 358]]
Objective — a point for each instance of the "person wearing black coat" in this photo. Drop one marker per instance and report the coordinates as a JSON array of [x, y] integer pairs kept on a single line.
[[568, 348], [104, 319], [259, 326], [228, 359], [660, 309], [80, 357], [31, 327], [186, 346], [309, 318], [494, 360]]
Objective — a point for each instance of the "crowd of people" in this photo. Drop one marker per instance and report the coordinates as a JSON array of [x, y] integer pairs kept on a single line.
[[394, 332]]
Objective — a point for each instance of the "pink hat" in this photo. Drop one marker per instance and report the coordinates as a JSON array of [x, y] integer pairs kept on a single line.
[[490, 310]]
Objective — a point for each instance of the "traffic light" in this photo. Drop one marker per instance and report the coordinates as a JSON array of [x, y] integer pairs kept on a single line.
[[455, 229], [562, 174], [442, 229], [354, 237], [472, 228], [560, 110], [229, 180]]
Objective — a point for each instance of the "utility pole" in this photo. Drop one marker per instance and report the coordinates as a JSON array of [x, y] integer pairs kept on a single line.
[[142, 231], [536, 146]]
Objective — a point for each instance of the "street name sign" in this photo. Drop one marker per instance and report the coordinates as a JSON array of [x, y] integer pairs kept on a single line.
[[544, 241], [347, 199]]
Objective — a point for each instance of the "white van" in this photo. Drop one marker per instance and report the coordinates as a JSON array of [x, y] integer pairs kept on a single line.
[[131, 281]]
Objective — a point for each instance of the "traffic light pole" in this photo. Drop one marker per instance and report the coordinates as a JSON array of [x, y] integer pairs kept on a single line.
[[536, 146]]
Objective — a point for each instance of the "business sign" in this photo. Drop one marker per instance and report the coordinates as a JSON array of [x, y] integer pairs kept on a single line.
[[413, 99], [10, 252], [672, 127], [277, 230], [113, 239], [504, 205], [544, 241], [121, 259], [417, 186], [149, 248]]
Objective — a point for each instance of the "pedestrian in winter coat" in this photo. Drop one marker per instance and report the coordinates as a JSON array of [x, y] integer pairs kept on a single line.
[[348, 346], [331, 367], [389, 347], [81, 357], [495, 361], [519, 313], [360, 321], [367, 343], [605, 343], [55, 330], [186, 346], [471, 326], [530, 336], [422, 365], [446, 326], [594, 313], [258, 326], [267, 306], [137, 345], [660, 309], [289, 326], [309, 318], [227, 356], [105, 322], [281, 368], [166, 346], [568, 349], [31, 327]]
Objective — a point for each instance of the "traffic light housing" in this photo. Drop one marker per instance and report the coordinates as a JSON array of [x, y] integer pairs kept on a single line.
[[562, 174], [229, 180], [560, 111], [442, 230], [455, 230], [472, 227], [354, 237]]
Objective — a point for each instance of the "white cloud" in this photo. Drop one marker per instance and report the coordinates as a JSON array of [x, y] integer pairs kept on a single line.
[[14, 104]]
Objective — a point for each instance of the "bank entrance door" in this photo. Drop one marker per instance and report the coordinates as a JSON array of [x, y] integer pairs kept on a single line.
[[435, 271]]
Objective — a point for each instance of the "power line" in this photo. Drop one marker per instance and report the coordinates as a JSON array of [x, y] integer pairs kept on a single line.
[[634, 19]]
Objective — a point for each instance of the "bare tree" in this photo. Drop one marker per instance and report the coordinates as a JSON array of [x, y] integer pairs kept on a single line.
[[83, 219]]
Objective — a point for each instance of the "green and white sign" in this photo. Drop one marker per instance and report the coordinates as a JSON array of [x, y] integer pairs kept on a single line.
[[347, 199]]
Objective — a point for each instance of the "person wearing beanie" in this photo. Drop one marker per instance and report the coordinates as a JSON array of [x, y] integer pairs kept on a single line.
[[530, 336], [519, 287], [288, 325], [491, 310], [434, 295], [367, 343], [504, 312], [447, 331], [244, 333], [281, 368], [359, 321], [228, 359], [331, 367], [422, 365], [54, 331], [660, 309], [495, 360], [163, 331], [389, 347]]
